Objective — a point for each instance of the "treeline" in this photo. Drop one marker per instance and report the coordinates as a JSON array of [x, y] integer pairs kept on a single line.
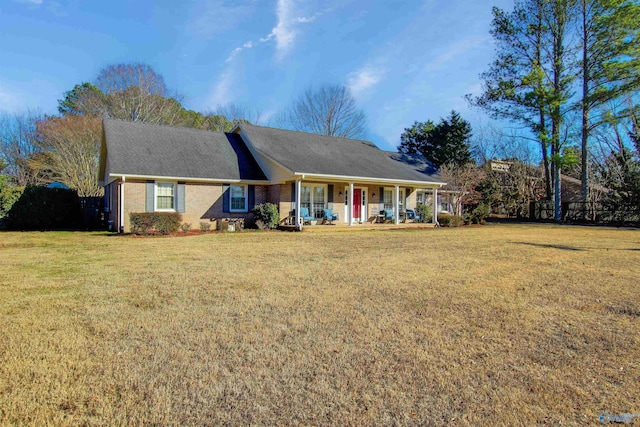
[[569, 70], [37, 149]]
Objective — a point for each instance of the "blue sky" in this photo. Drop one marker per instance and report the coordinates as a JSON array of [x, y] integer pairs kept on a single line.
[[403, 60]]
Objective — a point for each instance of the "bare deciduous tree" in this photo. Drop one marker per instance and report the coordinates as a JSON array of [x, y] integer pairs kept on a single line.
[[69, 149], [327, 110], [17, 145], [136, 92], [462, 180], [224, 117]]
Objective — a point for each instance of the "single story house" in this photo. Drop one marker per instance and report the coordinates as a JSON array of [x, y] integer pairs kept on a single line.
[[207, 176]]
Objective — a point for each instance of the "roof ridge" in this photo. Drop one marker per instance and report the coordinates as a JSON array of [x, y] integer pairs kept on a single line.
[[308, 133], [162, 125]]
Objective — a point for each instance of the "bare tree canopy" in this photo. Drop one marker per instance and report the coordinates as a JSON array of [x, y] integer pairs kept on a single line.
[[133, 92], [68, 151], [327, 110], [121, 77], [17, 145]]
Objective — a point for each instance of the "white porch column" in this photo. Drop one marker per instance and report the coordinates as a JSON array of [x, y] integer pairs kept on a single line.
[[298, 191], [435, 205], [396, 206], [350, 204], [121, 206]]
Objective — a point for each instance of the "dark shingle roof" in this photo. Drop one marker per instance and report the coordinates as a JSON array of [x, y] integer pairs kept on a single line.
[[326, 155], [156, 150]]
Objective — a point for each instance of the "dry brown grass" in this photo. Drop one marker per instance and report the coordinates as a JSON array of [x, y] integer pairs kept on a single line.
[[494, 325]]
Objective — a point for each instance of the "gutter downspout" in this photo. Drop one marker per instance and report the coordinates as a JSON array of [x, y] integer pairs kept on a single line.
[[122, 205]]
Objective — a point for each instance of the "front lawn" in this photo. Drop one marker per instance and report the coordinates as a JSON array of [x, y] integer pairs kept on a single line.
[[493, 325]]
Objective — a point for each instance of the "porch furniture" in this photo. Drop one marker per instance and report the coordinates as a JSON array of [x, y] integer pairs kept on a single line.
[[305, 218], [328, 216], [411, 214], [388, 214]]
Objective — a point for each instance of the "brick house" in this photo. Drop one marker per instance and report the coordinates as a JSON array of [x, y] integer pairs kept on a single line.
[[207, 176]]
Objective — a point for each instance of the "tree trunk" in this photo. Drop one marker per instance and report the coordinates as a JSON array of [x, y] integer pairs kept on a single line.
[[585, 109]]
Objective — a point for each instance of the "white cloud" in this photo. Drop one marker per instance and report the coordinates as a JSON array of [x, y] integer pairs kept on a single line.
[[221, 94], [285, 31], [211, 17], [455, 50], [364, 79]]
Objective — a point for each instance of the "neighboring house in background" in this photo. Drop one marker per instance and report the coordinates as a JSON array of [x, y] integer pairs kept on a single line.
[[207, 175]]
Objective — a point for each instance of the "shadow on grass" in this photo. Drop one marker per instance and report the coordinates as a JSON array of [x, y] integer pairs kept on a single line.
[[540, 245], [572, 248]]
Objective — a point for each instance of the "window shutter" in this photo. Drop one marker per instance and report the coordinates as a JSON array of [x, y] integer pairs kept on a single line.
[[180, 188], [330, 191], [150, 196], [252, 197], [381, 194], [407, 193], [293, 192], [225, 197]]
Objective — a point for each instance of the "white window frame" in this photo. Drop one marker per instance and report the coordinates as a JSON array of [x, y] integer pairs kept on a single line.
[[311, 187], [245, 189], [390, 190], [155, 196]]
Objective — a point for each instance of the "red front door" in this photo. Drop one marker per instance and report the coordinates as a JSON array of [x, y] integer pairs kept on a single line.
[[357, 202]]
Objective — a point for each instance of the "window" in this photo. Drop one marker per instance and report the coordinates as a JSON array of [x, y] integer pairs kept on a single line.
[[165, 192], [420, 198], [313, 198], [238, 198], [318, 201], [387, 199]]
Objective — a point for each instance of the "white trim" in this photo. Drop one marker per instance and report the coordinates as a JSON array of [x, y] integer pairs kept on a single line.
[[435, 206], [396, 205], [350, 204], [177, 178], [155, 196], [342, 178], [246, 198], [311, 186], [121, 204], [299, 222], [364, 204]]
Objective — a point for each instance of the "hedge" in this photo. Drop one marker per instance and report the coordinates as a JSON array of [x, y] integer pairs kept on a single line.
[[42, 208], [146, 223], [266, 215], [446, 220]]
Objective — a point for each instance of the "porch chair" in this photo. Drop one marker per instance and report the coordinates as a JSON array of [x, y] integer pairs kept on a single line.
[[305, 217], [328, 216], [388, 214]]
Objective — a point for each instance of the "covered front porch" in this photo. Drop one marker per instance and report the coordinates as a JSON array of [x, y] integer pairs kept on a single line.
[[354, 203]]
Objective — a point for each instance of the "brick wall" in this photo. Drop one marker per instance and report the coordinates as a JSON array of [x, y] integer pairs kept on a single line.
[[203, 203]]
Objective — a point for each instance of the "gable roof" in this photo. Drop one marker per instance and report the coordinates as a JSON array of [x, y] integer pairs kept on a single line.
[[304, 153], [141, 149]]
